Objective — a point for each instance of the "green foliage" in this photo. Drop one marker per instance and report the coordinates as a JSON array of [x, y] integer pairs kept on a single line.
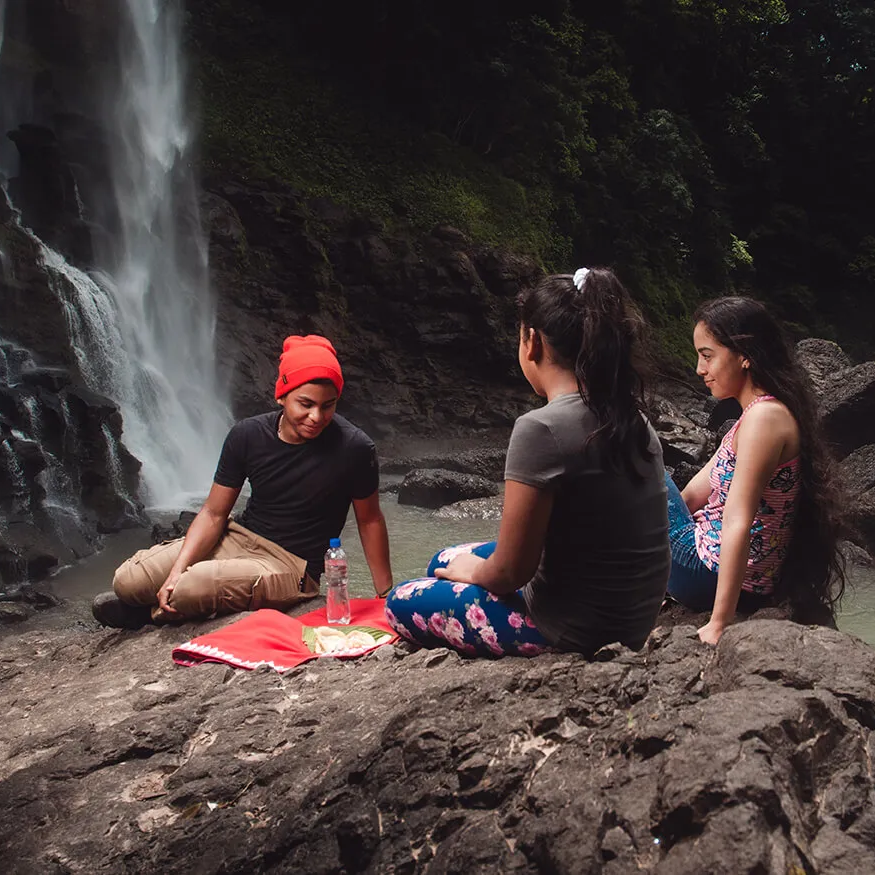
[[739, 254], [676, 141], [264, 118]]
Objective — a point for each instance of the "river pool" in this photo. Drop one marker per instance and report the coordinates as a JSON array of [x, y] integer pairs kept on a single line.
[[415, 535]]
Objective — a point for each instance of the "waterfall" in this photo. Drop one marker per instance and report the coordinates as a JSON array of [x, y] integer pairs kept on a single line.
[[175, 412], [142, 321]]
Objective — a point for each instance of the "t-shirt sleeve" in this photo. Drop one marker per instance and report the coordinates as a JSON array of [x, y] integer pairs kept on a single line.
[[533, 455], [231, 470], [366, 476]]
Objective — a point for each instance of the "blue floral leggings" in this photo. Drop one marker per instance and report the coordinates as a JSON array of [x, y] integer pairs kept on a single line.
[[468, 618]]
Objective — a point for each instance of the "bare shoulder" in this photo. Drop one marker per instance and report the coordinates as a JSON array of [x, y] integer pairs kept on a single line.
[[770, 423], [772, 415]]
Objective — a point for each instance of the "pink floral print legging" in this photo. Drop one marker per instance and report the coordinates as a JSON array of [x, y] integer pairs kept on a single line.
[[468, 618]]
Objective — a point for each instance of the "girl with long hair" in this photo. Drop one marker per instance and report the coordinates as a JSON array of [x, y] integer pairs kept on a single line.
[[582, 556], [762, 519]]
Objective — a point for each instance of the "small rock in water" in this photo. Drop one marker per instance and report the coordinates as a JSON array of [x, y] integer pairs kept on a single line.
[[13, 612], [473, 509], [435, 487], [176, 529]]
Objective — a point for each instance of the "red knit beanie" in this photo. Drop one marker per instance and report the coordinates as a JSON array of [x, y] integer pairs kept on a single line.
[[305, 359]]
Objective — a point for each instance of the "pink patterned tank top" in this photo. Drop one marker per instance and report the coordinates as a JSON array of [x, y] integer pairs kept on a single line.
[[772, 524]]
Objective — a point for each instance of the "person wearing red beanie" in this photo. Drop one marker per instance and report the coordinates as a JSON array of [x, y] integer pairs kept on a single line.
[[305, 465], [305, 359]]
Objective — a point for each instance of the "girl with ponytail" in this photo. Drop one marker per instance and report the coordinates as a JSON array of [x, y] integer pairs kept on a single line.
[[582, 557]]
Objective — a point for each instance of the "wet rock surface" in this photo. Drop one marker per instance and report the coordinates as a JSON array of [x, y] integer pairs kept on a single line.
[[434, 487], [754, 757], [473, 509], [847, 404], [402, 310], [858, 476], [485, 462]]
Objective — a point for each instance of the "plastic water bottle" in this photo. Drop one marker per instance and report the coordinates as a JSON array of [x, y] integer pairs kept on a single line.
[[337, 583]]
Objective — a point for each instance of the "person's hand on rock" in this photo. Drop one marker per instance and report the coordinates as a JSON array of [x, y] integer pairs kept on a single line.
[[710, 633]]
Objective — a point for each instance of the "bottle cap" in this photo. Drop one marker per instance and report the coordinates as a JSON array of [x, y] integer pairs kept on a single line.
[[334, 542]]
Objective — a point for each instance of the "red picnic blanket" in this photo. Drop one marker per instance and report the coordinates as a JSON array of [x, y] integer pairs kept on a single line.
[[268, 637]]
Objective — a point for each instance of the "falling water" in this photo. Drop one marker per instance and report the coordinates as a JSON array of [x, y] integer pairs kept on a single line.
[[115, 466], [142, 327], [174, 411]]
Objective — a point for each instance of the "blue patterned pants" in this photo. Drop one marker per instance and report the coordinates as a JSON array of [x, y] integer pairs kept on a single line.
[[468, 618]]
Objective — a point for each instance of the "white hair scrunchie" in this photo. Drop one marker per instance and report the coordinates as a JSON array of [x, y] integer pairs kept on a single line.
[[580, 277]]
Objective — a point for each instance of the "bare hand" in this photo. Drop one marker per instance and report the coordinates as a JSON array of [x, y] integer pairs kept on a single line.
[[462, 569], [166, 591], [711, 632]]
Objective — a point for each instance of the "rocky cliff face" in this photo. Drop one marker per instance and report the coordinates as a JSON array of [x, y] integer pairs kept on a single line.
[[67, 474], [424, 327]]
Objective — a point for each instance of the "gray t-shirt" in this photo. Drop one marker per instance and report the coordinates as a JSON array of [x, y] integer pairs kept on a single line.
[[606, 559]]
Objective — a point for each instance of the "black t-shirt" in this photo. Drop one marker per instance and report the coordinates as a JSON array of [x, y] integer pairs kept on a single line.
[[301, 493]]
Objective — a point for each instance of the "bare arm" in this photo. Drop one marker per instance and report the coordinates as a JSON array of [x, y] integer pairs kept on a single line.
[[524, 521], [375, 541], [758, 445], [695, 494], [203, 534]]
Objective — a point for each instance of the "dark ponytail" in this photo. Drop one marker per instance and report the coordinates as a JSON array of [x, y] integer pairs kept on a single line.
[[598, 333]]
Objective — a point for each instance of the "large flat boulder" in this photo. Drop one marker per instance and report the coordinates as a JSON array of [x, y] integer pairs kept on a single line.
[[754, 757]]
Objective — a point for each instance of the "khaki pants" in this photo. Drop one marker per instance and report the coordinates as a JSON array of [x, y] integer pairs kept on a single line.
[[243, 572]]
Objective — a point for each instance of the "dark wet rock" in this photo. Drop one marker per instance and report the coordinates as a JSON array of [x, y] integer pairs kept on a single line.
[[857, 555], [29, 311], [857, 470], [52, 379], [435, 487], [683, 473], [75, 34], [682, 440], [722, 411], [858, 477], [821, 359], [224, 224], [486, 462], [754, 757], [847, 404], [72, 446], [861, 516], [399, 309], [13, 612], [26, 552], [112, 500], [177, 529], [473, 509], [45, 191], [724, 429]]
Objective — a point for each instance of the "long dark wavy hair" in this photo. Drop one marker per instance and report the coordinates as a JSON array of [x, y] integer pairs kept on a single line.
[[813, 573], [598, 333]]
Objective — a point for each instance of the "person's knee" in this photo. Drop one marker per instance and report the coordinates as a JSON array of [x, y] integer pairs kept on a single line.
[[195, 594], [129, 582]]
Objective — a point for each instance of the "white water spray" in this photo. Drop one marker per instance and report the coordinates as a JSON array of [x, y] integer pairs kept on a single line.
[[175, 414]]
